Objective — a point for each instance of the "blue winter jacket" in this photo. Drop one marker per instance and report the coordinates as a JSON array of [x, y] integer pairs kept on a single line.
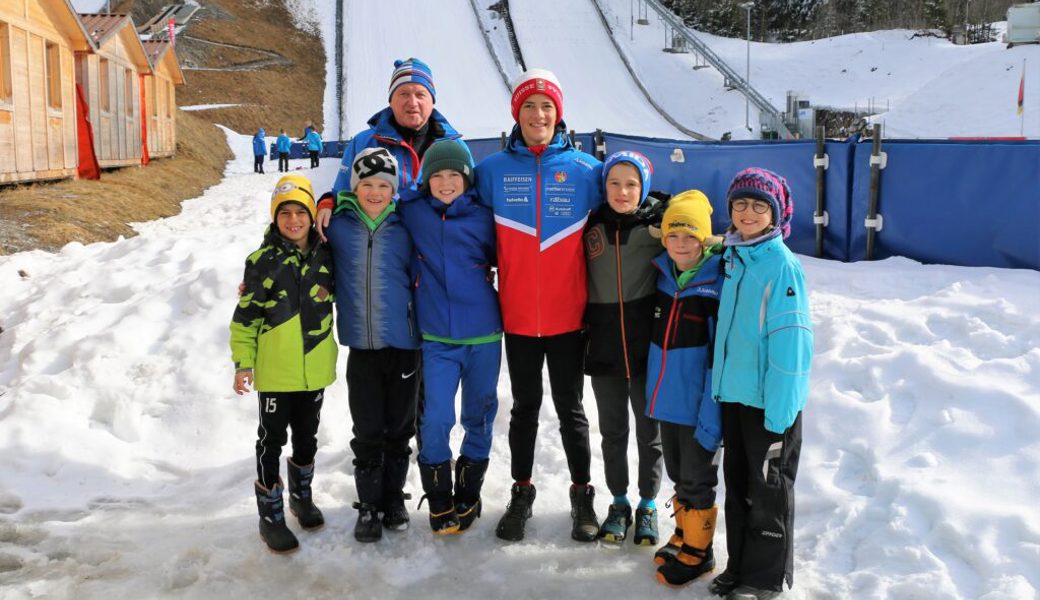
[[283, 143], [764, 345], [454, 253], [382, 133], [259, 144], [374, 307], [679, 368], [313, 141]]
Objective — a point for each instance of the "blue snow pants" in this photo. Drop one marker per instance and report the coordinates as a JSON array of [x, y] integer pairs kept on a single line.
[[444, 365]]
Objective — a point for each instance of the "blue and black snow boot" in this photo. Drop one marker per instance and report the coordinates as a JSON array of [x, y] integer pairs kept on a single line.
[[273, 530], [646, 526], [436, 481], [469, 479], [615, 526], [300, 502]]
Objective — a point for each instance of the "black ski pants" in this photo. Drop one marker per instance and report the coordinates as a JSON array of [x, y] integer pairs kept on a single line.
[[759, 467], [314, 158], [258, 163], [283, 162], [279, 411], [382, 392], [690, 466], [563, 354], [614, 395]]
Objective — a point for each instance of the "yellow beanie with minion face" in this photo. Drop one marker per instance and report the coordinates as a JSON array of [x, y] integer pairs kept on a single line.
[[689, 211], [294, 188]]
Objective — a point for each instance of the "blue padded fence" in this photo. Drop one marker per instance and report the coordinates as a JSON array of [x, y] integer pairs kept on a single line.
[[957, 202]]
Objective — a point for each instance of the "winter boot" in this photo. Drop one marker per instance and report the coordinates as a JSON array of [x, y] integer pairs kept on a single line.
[[469, 479], [615, 526], [436, 482], [395, 473], [272, 519], [368, 479], [583, 512], [300, 502], [646, 526], [674, 544], [696, 557], [511, 526], [724, 584]]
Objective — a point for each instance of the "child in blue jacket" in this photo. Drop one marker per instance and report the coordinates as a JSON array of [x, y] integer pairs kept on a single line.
[[678, 383], [283, 145], [764, 350], [461, 327], [259, 150], [372, 255]]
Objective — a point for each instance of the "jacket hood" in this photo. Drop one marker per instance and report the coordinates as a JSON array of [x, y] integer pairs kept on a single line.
[[382, 127]]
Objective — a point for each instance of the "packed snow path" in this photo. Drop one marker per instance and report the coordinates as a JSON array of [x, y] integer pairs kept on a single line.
[[126, 461]]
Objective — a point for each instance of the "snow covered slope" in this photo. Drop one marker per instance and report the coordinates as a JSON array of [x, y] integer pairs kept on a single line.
[[126, 461], [470, 91]]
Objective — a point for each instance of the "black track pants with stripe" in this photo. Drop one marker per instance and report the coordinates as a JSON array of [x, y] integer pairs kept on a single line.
[[280, 411], [759, 468]]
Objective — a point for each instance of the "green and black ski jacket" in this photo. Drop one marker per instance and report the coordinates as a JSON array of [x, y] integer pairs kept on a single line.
[[282, 327]]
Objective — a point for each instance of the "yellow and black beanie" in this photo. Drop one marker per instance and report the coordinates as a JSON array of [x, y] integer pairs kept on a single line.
[[294, 188]]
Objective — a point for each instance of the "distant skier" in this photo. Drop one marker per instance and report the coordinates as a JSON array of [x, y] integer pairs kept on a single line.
[[542, 190], [314, 146], [282, 146], [282, 345], [763, 353], [259, 151]]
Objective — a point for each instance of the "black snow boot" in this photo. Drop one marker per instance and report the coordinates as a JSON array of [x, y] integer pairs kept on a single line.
[[724, 583], [300, 502], [583, 511], [436, 482], [272, 519], [395, 473], [369, 482], [512, 525], [469, 479]]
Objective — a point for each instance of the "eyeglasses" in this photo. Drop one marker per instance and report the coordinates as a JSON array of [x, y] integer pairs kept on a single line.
[[758, 206]]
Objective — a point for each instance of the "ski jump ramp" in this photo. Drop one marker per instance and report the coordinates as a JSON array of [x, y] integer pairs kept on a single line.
[[569, 39], [446, 36]]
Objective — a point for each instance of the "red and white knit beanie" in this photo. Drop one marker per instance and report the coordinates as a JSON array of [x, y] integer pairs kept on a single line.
[[537, 81]]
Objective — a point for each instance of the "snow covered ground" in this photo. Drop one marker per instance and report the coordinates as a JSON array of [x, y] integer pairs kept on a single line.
[[126, 461]]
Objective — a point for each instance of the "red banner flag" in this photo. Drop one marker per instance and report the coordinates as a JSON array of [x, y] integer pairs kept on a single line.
[[171, 32], [1022, 89]]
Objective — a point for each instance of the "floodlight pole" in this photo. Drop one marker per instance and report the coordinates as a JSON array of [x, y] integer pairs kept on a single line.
[[747, 6]]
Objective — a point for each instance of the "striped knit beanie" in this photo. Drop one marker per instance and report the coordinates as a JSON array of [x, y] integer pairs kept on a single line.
[[762, 184], [412, 70], [537, 81], [637, 160]]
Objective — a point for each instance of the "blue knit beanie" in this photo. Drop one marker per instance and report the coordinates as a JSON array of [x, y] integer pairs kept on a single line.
[[412, 70], [637, 160], [762, 184]]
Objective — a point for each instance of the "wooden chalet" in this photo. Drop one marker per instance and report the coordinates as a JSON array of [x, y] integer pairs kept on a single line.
[[113, 78], [38, 127], [161, 98]]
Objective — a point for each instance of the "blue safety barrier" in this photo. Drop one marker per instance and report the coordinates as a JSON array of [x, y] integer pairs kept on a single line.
[[957, 202]]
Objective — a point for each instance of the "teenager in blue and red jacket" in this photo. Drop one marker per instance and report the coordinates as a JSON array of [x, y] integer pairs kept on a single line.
[[461, 327], [542, 190]]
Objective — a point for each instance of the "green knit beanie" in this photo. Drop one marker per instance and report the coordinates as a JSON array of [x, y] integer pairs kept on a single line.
[[447, 154]]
